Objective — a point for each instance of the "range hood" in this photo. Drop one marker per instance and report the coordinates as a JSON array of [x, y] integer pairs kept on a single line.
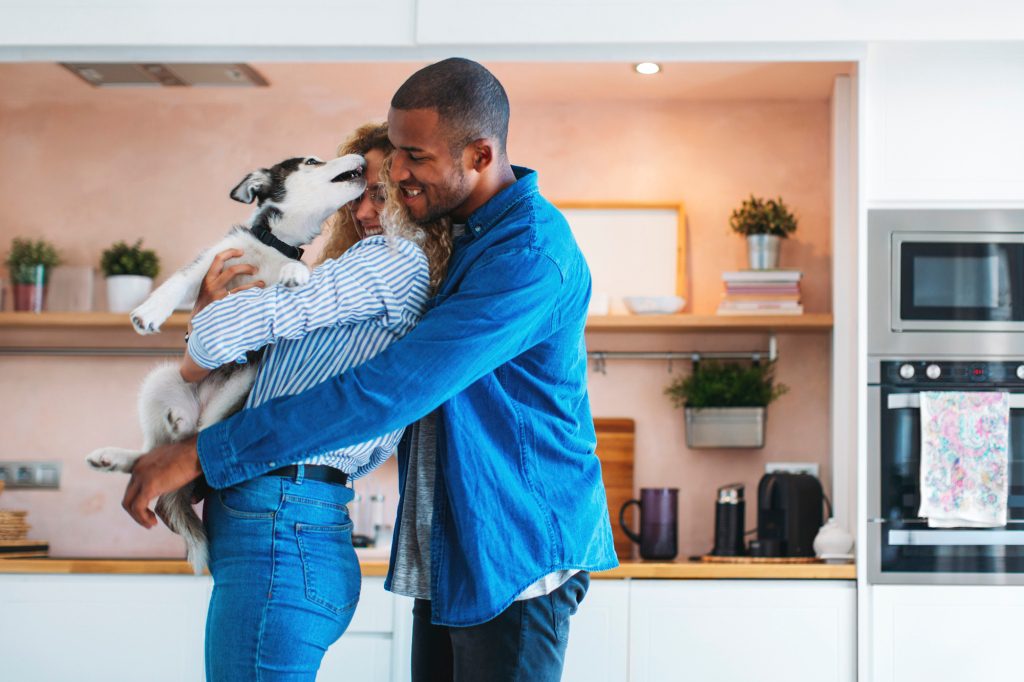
[[114, 74]]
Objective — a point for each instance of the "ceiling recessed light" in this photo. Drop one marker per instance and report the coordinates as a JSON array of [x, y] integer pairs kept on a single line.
[[647, 68]]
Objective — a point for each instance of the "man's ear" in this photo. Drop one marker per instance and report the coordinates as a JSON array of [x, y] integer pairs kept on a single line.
[[482, 151], [255, 184]]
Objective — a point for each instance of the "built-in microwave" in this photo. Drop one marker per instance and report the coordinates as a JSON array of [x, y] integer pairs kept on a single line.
[[940, 280]]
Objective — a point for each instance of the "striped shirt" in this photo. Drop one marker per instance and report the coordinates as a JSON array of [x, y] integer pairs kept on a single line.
[[352, 308]]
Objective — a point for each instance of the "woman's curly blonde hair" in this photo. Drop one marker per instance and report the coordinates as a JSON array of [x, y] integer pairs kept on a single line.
[[434, 238]]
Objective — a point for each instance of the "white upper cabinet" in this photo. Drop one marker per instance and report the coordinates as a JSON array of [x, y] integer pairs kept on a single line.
[[944, 123], [459, 22], [207, 23]]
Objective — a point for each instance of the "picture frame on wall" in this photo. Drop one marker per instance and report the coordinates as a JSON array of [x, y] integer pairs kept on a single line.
[[634, 249]]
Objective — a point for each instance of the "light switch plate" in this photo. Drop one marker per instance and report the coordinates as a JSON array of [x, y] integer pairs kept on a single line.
[[30, 475], [792, 467]]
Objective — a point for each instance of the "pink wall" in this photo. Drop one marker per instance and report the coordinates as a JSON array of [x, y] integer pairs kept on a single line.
[[87, 167]]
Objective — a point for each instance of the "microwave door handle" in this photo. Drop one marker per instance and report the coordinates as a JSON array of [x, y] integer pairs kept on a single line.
[[898, 401]]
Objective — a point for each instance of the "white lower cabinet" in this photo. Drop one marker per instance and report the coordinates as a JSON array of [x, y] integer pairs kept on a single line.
[[599, 635], [929, 633], [755, 631], [102, 628], [113, 628]]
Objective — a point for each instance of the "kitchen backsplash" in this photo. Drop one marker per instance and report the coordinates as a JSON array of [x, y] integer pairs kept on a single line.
[[156, 164]]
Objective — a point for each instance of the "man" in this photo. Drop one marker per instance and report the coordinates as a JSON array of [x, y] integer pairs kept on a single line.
[[505, 515]]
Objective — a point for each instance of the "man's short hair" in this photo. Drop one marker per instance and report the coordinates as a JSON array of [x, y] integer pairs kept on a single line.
[[469, 101]]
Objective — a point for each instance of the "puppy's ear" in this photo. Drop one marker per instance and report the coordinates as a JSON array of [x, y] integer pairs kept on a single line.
[[255, 184]]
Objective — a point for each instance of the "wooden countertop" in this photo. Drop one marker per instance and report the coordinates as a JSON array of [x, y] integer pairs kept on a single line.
[[698, 570], [130, 566], [676, 570]]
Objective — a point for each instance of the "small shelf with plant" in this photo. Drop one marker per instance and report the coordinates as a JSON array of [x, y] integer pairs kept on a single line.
[[725, 403]]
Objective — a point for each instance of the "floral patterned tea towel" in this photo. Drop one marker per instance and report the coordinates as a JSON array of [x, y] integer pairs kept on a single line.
[[964, 455]]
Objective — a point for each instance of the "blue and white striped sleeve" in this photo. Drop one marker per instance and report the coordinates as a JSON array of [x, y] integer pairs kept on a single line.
[[370, 281]]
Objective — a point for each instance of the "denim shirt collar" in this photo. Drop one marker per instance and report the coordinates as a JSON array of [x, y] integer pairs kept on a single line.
[[487, 216]]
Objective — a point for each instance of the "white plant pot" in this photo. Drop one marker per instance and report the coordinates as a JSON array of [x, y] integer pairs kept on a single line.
[[125, 292]]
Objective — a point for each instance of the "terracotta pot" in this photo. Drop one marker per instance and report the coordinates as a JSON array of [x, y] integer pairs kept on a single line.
[[29, 297]]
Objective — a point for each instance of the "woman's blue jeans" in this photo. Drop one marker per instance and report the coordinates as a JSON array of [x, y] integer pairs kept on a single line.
[[285, 578]]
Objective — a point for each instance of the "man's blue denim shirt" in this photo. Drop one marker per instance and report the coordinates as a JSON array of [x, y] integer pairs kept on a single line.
[[519, 491]]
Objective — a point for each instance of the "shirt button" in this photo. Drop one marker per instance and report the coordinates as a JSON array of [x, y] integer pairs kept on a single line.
[[273, 464]]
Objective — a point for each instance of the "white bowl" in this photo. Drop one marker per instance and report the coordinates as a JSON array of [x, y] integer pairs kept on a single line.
[[654, 305]]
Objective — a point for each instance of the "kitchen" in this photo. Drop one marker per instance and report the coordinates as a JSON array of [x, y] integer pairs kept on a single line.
[[770, 121]]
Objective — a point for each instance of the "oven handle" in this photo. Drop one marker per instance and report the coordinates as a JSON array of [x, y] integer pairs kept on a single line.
[[898, 401], [956, 537]]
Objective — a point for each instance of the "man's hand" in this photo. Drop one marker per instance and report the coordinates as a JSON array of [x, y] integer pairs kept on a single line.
[[163, 469], [215, 283]]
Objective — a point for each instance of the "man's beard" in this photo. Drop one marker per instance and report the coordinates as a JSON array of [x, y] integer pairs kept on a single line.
[[449, 197]]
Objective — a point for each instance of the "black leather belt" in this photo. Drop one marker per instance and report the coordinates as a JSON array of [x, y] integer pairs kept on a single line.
[[313, 472]]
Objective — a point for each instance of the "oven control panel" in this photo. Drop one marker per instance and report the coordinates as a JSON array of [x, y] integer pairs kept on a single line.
[[940, 372]]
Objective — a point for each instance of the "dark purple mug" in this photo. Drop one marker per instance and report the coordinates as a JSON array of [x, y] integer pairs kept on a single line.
[[658, 513]]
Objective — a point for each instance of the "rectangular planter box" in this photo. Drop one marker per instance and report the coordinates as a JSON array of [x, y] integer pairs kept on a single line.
[[725, 427]]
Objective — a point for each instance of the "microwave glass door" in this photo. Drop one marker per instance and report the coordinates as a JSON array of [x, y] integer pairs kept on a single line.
[[968, 281]]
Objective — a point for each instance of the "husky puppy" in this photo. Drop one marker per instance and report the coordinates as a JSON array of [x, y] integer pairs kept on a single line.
[[293, 199]]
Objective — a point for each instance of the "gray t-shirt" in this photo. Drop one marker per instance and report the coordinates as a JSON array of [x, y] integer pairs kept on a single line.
[[411, 576]]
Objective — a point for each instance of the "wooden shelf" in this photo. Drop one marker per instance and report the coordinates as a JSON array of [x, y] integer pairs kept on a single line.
[[111, 334], [80, 320], [87, 334], [683, 323], [813, 322]]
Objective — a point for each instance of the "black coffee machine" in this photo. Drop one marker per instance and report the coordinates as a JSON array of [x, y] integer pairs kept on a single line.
[[789, 515]]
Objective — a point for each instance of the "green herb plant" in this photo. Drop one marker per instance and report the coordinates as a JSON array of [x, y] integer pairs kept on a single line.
[[122, 259], [26, 254], [715, 384], [763, 216]]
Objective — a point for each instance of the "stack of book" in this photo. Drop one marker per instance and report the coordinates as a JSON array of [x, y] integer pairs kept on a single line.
[[761, 292]]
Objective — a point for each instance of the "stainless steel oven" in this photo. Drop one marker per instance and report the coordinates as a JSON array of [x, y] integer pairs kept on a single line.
[[901, 546], [945, 282]]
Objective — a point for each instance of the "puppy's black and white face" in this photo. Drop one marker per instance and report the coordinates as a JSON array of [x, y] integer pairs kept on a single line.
[[305, 189]]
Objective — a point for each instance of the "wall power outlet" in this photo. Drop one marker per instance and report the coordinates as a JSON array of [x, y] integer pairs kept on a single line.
[[792, 467], [35, 475]]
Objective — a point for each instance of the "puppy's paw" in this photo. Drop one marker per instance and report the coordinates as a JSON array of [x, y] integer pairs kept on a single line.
[[294, 274], [111, 459], [148, 317]]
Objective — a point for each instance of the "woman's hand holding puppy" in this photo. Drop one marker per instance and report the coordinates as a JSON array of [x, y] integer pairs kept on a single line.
[[214, 288]]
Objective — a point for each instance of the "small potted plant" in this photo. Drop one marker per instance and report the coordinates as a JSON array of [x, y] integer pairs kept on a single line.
[[29, 263], [725, 403], [129, 271], [764, 222]]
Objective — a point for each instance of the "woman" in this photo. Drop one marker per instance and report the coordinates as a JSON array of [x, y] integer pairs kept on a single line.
[[286, 577]]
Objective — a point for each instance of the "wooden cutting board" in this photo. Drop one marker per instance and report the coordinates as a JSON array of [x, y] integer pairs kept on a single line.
[[615, 439]]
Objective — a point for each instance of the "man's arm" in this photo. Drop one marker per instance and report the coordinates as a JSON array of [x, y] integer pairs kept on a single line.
[[502, 308]]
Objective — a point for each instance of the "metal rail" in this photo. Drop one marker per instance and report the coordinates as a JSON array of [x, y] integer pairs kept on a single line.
[[600, 357]]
